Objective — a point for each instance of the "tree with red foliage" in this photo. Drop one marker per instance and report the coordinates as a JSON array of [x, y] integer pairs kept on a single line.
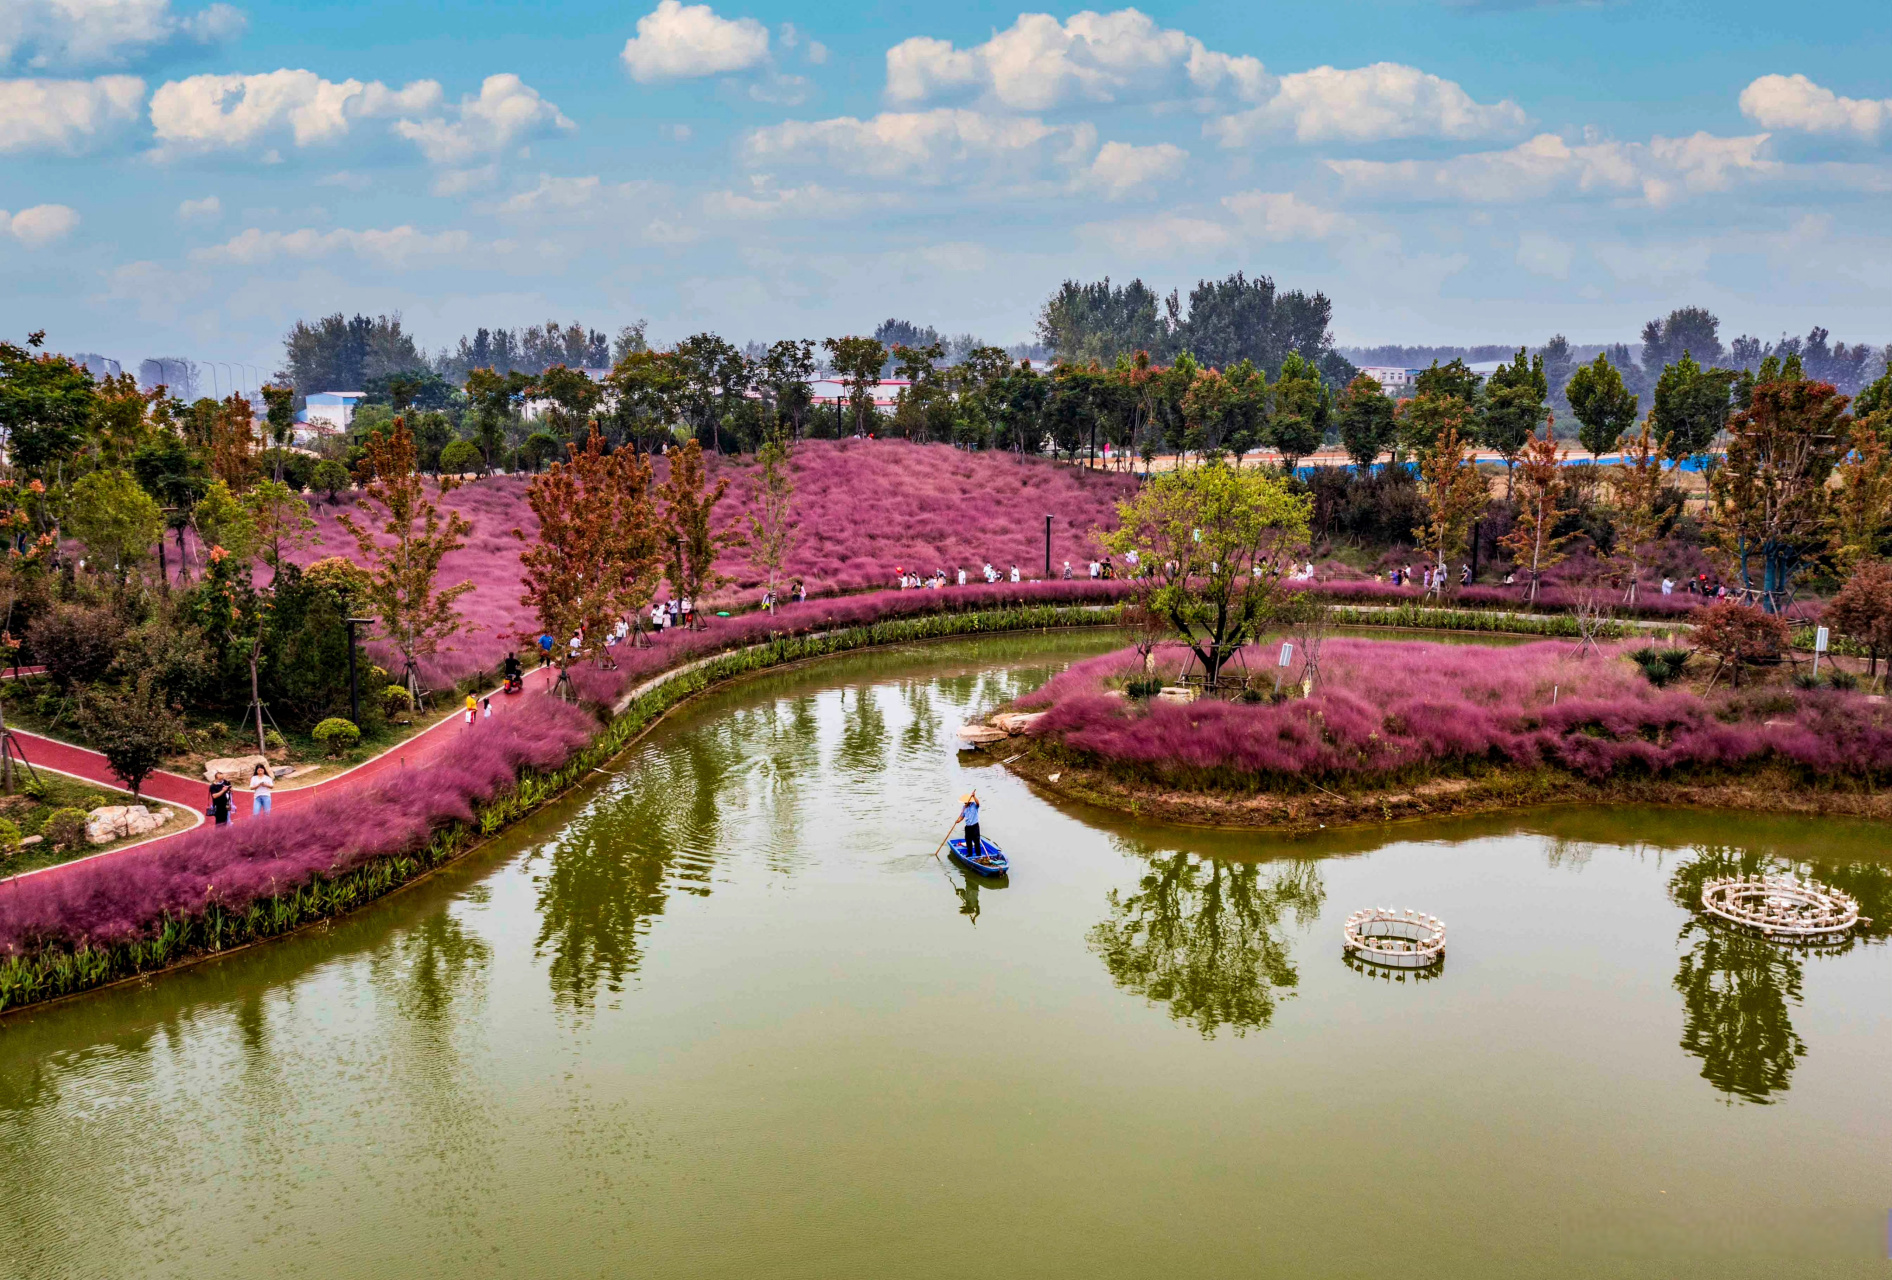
[[1456, 492], [1738, 635], [689, 500], [595, 558], [1862, 610], [1538, 483], [416, 613]]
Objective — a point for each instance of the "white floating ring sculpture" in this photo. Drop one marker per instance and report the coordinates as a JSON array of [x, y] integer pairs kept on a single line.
[[1783, 908], [1395, 939]]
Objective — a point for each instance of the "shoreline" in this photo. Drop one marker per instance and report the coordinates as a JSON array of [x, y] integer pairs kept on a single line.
[[1769, 788]]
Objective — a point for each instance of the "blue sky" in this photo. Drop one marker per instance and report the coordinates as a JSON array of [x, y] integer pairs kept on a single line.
[[187, 178]]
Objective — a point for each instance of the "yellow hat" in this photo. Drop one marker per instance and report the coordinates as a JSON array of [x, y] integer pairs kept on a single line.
[[969, 797]]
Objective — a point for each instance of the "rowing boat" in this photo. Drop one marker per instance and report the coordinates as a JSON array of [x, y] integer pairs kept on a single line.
[[991, 861]]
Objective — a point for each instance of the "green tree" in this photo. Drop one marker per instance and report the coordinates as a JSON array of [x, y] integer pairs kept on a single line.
[[1514, 408], [223, 521], [1454, 380], [1217, 543], [46, 405], [1368, 420], [1604, 407], [857, 362], [787, 370], [461, 457], [115, 518], [1691, 407], [771, 521], [1302, 404], [134, 729], [281, 520], [330, 478]]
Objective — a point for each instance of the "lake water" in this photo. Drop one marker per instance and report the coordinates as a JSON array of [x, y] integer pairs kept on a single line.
[[723, 1014]]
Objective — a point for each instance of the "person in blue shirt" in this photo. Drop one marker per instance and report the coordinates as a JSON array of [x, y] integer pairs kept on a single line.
[[545, 649], [969, 814]]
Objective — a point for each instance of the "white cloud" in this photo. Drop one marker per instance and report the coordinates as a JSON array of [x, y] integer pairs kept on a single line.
[[211, 111], [554, 194], [1660, 171], [40, 225], [931, 148], [812, 200], [1795, 102], [1656, 264], [394, 247], [1168, 235], [677, 41], [209, 209], [1121, 169], [73, 33], [1368, 104], [1039, 63], [1282, 216], [65, 115], [459, 182], [507, 111], [1543, 254]]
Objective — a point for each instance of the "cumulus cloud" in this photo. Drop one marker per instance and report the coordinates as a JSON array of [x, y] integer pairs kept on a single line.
[[209, 209], [41, 225], [506, 111], [65, 115], [931, 148], [1659, 171], [395, 247], [679, 42], [43, 34], [1367, 104], [1039, 63], [1795, 102], [1282, 216], [1121, 170], [222, 111]]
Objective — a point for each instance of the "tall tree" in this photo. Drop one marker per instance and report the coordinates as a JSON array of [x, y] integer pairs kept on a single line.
[[1687, 331], [1218, 542], [1534, 543], [1455, 492], [1603, 406], [787, 369], [415, 612], [857, 362], [1367, 422], [115, 518], [695, 544], [1514, 409], [1770, 504], [1098, 321], [715, 375], [1298, 422], [1691, 407], [1638, 494], [771, 521], [46, 405], [339, 353]]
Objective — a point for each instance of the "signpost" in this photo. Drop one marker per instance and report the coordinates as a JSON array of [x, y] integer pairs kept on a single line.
[[1281, 667], [1819, 647]]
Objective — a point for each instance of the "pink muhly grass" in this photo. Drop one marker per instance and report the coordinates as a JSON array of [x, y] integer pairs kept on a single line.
[[1388, 707], [125, 895]]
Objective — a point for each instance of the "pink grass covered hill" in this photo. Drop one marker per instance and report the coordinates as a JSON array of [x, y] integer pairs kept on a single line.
[[863, 509]]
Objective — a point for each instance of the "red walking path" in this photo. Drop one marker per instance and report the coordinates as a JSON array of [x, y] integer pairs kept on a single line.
[[194, 794]]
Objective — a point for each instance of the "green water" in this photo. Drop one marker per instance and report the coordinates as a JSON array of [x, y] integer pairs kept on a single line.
[[723, 1015]]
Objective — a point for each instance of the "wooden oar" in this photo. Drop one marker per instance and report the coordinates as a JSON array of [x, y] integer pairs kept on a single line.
[[945, 838]]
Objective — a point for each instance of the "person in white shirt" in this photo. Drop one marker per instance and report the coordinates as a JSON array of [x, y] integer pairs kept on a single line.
[[262, 790], [1668, 586], [1014, 573]]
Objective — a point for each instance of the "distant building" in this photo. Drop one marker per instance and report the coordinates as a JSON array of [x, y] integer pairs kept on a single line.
[[1399, 384], [533, 410], [829, 391], [332, 409]]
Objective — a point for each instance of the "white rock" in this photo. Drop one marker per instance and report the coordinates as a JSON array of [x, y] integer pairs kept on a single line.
[[118, 821], [235, 768]]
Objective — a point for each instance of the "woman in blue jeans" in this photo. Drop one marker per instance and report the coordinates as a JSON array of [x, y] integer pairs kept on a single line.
[[262, 790]]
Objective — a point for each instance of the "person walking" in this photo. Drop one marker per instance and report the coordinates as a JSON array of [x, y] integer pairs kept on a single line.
[[472, 708], [969, 814], [220, 800], [262, 790], [486, 708]]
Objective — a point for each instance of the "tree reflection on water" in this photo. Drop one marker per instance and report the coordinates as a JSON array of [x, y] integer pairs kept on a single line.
[[1739, 989], [1203, 937]]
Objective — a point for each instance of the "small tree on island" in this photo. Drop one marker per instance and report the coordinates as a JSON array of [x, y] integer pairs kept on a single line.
[[1738, 635], [415, 612], [771, 529], [1215, 543], [694, 545], [1534, 543], [1455, 492], [597, 549]]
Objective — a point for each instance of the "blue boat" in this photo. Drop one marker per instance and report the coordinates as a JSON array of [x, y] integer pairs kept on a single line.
[[991, 862]]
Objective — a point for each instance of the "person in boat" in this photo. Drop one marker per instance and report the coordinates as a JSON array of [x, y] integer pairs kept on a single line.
[[969, 814]]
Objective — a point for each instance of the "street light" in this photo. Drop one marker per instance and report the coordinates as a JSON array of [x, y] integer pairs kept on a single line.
[[1047, 548]]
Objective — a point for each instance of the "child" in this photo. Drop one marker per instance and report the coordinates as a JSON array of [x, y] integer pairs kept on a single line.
[[486, 708]]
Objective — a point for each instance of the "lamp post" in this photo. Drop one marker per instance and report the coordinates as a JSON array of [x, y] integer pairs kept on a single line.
[[1047, 548], [354, 689]]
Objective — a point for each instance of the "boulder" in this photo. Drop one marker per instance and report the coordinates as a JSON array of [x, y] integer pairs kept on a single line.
[[119, 821], [980, 735], [235, 768], [1017, 721]]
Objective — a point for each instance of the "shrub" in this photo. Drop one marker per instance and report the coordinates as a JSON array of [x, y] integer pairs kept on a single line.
[[336, 734], [76, 644], [329, 477], [461, 457], [396, 702], [1739, 635], [1660, 666], [9, 840], [65, 828], [1138, 687], [34, 789], [274, 741], [134, 728], [1844, 680]]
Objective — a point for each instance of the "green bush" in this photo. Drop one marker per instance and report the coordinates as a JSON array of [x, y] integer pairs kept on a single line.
[[9, 839], [1143, 688], [460, 457], [65, 828], [1843, 679], [336, 734], [1660, 666], [274, 741], [329, 477], [34, 789], [396, 700]]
